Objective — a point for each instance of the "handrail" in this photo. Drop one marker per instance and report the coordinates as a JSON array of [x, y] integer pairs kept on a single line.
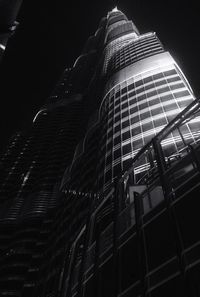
[[175, 123]]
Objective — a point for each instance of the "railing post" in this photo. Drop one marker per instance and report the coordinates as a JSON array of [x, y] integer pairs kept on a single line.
[[119, 193], [97, 291], [161, 165], [71, 269], [181, 135], [85, 247], [141, 244], [131, 178], [150, 158], [63, 284], [173, 218], [195, 157]]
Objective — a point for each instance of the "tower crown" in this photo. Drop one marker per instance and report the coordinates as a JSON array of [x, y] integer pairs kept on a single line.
[[114, 9]]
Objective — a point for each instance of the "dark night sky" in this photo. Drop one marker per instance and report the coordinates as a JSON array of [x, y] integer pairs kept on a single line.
[[51, 35]]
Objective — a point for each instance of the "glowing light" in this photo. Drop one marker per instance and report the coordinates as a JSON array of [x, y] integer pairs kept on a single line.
[[2, 47], [25, 178], [38, 113], [115, 9]]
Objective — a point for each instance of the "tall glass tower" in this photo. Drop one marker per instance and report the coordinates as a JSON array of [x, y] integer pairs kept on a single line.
[[143, 89], [94, 193]]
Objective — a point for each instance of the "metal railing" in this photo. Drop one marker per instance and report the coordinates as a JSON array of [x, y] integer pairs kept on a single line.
[[156, 164], [156, 176], [157, 169]]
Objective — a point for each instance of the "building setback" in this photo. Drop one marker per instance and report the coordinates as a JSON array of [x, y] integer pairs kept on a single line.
[[99, 197]]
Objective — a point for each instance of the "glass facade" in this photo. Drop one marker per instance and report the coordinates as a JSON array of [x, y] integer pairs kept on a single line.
[[90, 191], [145, 90]]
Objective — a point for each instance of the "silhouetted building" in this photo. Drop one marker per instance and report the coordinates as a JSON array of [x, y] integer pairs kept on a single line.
[[8, 13], [100, 196]]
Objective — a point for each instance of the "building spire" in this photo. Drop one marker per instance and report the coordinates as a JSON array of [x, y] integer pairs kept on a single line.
[[115, 9]]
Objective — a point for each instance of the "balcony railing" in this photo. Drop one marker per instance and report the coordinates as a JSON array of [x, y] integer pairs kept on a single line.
[[156, 178], [160, 177]]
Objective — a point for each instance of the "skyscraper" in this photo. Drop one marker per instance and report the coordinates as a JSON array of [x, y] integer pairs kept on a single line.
[[143, 89], [93, 193]]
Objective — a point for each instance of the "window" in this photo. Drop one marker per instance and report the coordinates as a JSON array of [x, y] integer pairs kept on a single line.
[[173, 79], [132, 101], [111, 114], [126, 135], [134, 120], [149, 87], [157, 76], [124, 105], [117, 119], [156, 111], [127, 164], [117, 154], [137, 144], [140, 90], [139, 83], [117, 140], [170, 72], [183, 104], [125, 124], [181, 94], [177, 86], [131, 86], [160, 122], [160, 83], [141, 97], [163, 90], [125, 114], [147, 126], [170, 107], [147, 79], [143, 105], [151, 94], [126, 149], [136, 131], [124, 90], [117, 128], [124, 98], [154, 101], [133, 110], [131, 94], [117, 94], [117, 109], [166, 97], [145, 115]]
